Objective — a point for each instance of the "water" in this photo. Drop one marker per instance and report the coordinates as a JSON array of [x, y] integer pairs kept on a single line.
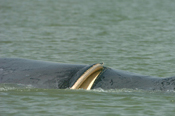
[[21, 102], [132, 35]]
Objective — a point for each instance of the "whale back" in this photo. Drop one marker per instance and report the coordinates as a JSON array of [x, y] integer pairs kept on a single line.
[[40, 74]]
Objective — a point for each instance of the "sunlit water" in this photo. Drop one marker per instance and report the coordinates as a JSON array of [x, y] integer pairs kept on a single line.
[[132, 35]]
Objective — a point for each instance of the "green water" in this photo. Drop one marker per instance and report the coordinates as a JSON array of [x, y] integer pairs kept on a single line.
[[132, 35], [29, 102]]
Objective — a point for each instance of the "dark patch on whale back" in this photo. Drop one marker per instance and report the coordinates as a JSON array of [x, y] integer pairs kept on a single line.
[[167, 83], [63, 83]]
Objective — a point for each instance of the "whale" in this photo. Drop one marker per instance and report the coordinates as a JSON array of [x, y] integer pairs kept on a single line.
[[53, 75]]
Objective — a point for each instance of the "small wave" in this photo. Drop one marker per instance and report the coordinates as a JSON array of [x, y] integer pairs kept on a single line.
[[8, 87], [126, 90], [117, 90], [22, 87]]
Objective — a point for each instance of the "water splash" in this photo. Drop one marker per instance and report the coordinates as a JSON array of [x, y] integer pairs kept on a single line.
[[9, 87]]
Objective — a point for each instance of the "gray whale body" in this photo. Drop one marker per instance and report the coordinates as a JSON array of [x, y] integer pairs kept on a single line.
[[43, 74]]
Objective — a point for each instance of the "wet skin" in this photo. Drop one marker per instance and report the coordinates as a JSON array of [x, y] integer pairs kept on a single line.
[[42, 74]]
